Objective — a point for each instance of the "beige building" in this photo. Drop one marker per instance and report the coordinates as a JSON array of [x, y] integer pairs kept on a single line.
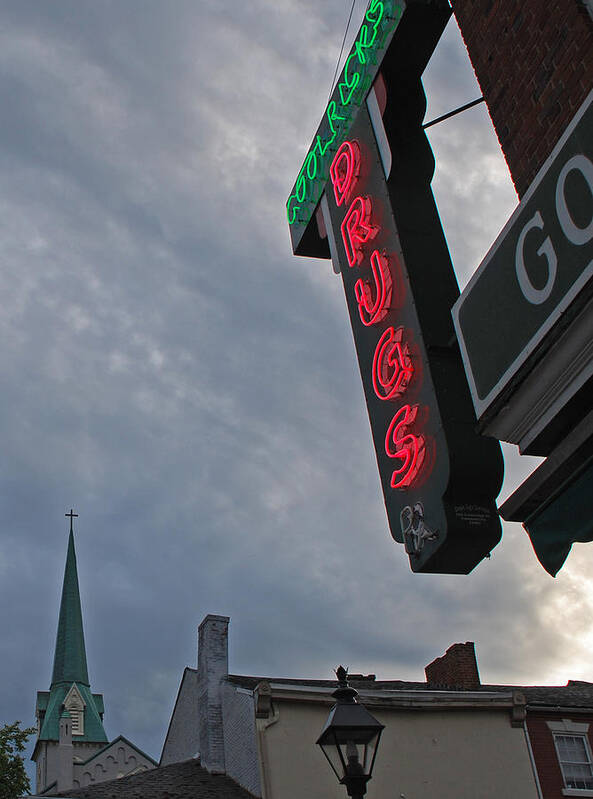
[[447, 737], [435, 743]]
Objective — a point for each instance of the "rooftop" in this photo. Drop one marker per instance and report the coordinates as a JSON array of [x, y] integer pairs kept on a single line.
[[185, 780], [575, 693]]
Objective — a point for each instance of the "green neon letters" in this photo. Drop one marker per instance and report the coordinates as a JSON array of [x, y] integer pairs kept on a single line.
[[380, 19]]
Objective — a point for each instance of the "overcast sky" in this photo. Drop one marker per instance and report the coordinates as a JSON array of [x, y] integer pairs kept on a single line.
[[172, 372]]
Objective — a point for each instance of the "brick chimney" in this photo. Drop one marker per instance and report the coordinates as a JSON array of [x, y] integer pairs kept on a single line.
[[213, 666], [456, 669]]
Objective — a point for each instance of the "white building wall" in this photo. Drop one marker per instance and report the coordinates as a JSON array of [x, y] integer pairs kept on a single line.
[[49, 761], [49, 757], [183, 735], [118, 760], [240, 743]]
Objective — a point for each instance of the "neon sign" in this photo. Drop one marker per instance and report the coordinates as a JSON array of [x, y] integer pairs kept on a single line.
[[392, 362], [372, 311], [380, 21], [379, 223], [344, 170], [392, 365], [357, 229], [401, 444]]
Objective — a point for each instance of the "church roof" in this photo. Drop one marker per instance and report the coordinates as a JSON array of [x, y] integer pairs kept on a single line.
[[93, 726], [113, 744], [70, 654], [43, 701]]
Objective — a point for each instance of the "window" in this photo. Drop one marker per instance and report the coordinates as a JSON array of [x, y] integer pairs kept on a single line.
[[77, 722], [74, 704], [574, 757]]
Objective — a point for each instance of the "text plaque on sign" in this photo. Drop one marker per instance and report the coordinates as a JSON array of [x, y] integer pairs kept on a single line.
[[537, 267]]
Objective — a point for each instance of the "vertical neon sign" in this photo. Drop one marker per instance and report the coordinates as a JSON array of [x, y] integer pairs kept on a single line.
[[393, 367], [378, 221]]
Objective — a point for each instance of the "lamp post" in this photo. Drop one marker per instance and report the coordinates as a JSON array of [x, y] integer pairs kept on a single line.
[[350, 738]]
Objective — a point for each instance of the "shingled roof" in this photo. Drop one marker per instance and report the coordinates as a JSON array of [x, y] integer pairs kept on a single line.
[[185, 780]]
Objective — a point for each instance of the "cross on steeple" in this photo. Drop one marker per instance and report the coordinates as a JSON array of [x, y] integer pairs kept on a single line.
[[72, 515]]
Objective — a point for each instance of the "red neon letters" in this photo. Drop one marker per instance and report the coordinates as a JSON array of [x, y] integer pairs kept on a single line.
[[357, 229], [393, 368], [405, 446], [344, 170], [392, 365], [370, 310]]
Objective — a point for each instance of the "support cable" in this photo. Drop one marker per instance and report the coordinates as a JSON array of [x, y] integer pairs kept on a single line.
[[341, 49]]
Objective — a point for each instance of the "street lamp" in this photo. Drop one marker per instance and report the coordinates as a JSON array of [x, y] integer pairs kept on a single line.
[[350, 738]]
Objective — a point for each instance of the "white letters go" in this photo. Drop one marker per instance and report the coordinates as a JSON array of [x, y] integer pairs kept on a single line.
[[533, 295], [574, 233]]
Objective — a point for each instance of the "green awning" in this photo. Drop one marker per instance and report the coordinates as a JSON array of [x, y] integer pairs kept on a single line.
[[567, 518]]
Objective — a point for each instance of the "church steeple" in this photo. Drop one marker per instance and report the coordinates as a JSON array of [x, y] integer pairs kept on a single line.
[[72, 749], [69, 696], [70, 654]]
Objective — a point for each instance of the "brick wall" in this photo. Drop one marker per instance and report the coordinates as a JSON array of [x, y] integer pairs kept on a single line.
[[544, 751], [457, 668], [240, 738], [534, 62]]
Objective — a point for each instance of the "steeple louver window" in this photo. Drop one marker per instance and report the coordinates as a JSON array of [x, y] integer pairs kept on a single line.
[[77, 719], [74, 704]]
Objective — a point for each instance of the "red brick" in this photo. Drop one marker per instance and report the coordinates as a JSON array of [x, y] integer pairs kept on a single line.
[[528, 53], [457, 668]]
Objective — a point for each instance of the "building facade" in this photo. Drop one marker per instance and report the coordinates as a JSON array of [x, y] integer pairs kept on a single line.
[[561, 737], [449, 735]]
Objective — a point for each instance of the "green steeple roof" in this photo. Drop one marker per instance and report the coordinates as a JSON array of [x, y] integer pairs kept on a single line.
[[70, 666], [70, 654]]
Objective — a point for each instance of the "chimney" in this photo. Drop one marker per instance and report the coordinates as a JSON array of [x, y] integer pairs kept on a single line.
[[213, 666], [456, 669], [65, 753]]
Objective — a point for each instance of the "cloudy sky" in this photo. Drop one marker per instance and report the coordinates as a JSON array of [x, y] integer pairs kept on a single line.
[[190, 388]]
